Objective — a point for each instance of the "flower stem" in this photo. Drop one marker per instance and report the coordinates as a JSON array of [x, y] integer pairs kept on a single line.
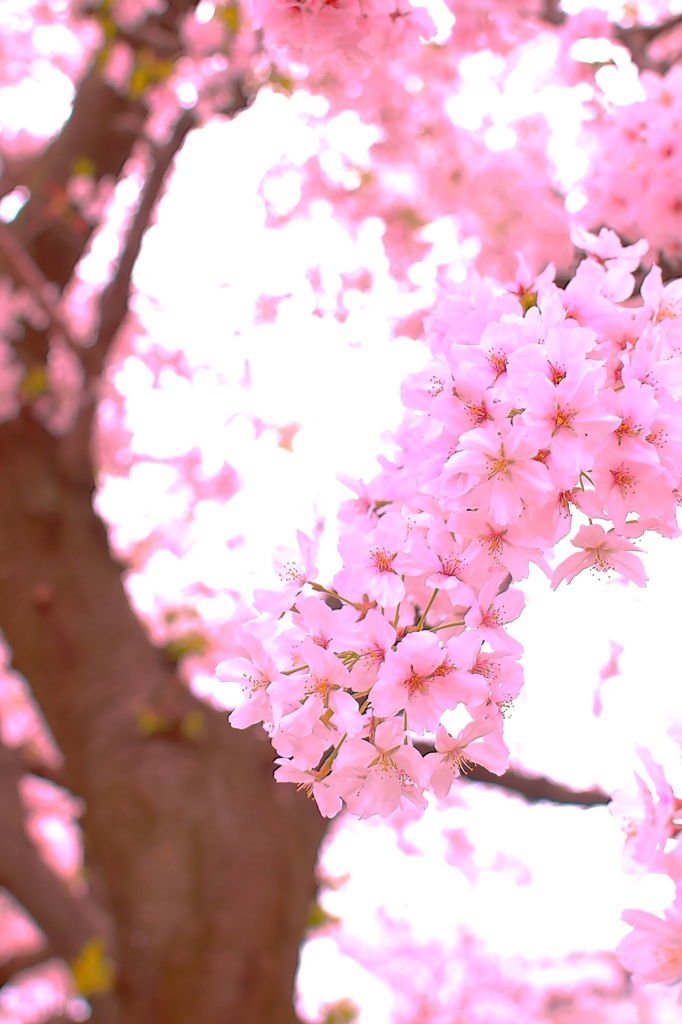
[[446, 625], [420, 624], [332, 593]]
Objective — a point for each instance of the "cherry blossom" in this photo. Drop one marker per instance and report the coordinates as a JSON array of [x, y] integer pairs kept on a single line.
[[414, 679], [602, 552], [652, 951], [257, 672], [479, 742], [374, 776], [645, 817], [295, 569]]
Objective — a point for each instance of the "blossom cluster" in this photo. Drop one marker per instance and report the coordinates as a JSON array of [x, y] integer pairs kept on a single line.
[[634, 181], [539, 405], [351, 32]]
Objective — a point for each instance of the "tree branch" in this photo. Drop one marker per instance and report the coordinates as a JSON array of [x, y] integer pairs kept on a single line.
[[552, 12], [42, 770], [637, 39], [535, 789], [28, 273], [114, 301], [68, 921]]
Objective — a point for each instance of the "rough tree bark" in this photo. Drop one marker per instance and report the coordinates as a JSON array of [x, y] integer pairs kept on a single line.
[[201, 866], [204, 864]]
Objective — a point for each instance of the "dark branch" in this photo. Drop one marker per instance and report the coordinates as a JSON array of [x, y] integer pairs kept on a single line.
[[552, 13], [535, 789], [114, 302], [67, 921], [42, 770], [638, 38], [26, 272]]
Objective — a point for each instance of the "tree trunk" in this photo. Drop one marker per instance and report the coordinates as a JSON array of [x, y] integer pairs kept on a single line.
[[204, 863]]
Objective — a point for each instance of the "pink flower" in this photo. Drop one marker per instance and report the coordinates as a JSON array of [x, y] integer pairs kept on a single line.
[[295, 569], [479, 742], [608, 248], [302, 736], [568, 418], [646, 819], [321, 788], [442, 558], [317, 620], [493, 547], [665, 301], [321, 686], [374, 777], [491, 611], [255, 673], [364, 648], [468, 686], [625, 486], [653, 950], [410, 679], [497, 470], [601, 551], [374, 562]]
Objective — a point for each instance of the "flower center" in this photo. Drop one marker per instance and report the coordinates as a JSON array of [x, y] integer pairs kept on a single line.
[[622, 479], [382, 560], [416, 683]]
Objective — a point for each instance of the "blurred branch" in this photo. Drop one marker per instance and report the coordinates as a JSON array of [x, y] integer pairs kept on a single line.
[[552, 12], [68, 921], [28, 273], [535, 789], [41, 770], [637, 39], [205, 863], [114, 302], [102, 128]]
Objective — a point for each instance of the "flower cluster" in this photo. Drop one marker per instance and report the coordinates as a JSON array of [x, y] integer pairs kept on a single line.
[[538, 402], [320, 33], [634, 180]]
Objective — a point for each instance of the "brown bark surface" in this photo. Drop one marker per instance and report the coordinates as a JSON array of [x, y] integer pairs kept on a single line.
[[201, 867], [205, 865]]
